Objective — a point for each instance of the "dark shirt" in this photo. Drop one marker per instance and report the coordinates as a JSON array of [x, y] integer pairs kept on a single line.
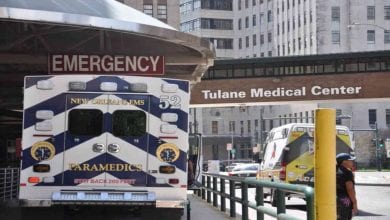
[[343, 175], [344, 203]]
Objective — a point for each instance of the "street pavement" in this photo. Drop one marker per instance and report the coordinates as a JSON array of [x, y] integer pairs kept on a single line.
[[375, 178], [202, 210]]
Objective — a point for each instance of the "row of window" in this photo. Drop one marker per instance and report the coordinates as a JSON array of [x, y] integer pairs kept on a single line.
[[89, 122], [335, 14], [207, 23], [288, 4], [296, 44], [161, 11], [301, 117], [370, 37], [291, 24], [297, 68], [247, 3], [189, 6], [254, 20], [254, 40]]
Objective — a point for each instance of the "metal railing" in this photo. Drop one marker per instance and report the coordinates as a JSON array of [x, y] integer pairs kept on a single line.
[[210, 186], [9, 183]]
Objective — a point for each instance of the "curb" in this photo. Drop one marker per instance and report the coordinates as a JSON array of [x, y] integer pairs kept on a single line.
[[372, 184]]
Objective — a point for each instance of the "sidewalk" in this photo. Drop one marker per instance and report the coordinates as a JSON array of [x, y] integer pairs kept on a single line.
[[372, 178]]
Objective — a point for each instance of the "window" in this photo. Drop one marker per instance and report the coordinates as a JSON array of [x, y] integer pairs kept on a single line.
[[261, 19], [336, 37], [232, 127], [222, 43], [239, 43], [85, 122], [254, 20], [262, 54], [338, 119], [161, 11], [270, 53], [336, 13], [388, 117], [261, 39], [242, 128], [387, 37], [269, 37], [249, 127], [306, 116], [254, 40], [214, 127], [246, 3], [247, 22], [371, 36], [269, 15], [253, 2], [387, 12], [239, 4], [299, 20], [148, 9], [288, 25], [225, 5], [217, 24], [239, 24], [247, 41], [371, 117], [370, 12], [293, 22], [129, 123]]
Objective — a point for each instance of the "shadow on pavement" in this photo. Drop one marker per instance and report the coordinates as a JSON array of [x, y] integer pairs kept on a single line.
[[363, 213]]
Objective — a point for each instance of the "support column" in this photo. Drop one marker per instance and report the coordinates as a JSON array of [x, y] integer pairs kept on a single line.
[[325, 164]]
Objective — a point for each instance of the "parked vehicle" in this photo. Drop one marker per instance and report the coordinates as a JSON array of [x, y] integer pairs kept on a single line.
[[289, 154], [245, 170]]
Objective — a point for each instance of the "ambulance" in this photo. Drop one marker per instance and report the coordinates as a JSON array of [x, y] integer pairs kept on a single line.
[[112, 140], [289, 154]]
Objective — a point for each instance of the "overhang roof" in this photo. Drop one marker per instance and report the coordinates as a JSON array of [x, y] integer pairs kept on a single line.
[[32, 29]]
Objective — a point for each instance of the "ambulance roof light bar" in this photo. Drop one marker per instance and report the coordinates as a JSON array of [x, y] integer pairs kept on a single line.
[[109, 86], [45, 84], [77, 86], [138, 87]]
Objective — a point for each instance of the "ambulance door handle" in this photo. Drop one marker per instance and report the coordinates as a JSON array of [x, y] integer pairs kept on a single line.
[[98, 148], [113, 148]]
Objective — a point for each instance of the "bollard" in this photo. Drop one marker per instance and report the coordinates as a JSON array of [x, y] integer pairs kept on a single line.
[[208, 189], [325, 164], [215, 195], [223, 198], [281, 201], [204, 185], [244, 201], [259, 201], [232, 195]]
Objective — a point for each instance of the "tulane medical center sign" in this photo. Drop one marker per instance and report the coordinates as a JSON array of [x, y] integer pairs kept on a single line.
[[290, 88]]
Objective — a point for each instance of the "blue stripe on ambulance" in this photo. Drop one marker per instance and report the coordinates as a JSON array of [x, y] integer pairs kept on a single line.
[[183, 85], [28, 161], [55, 104], [69, 177]]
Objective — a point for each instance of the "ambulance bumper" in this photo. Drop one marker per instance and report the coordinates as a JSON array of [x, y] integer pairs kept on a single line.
[[103, 198]]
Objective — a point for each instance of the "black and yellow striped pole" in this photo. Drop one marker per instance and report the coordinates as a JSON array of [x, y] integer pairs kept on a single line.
[[325, 164]]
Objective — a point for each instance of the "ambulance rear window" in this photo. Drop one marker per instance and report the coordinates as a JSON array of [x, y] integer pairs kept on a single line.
[[129, 123], [85, 122]]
